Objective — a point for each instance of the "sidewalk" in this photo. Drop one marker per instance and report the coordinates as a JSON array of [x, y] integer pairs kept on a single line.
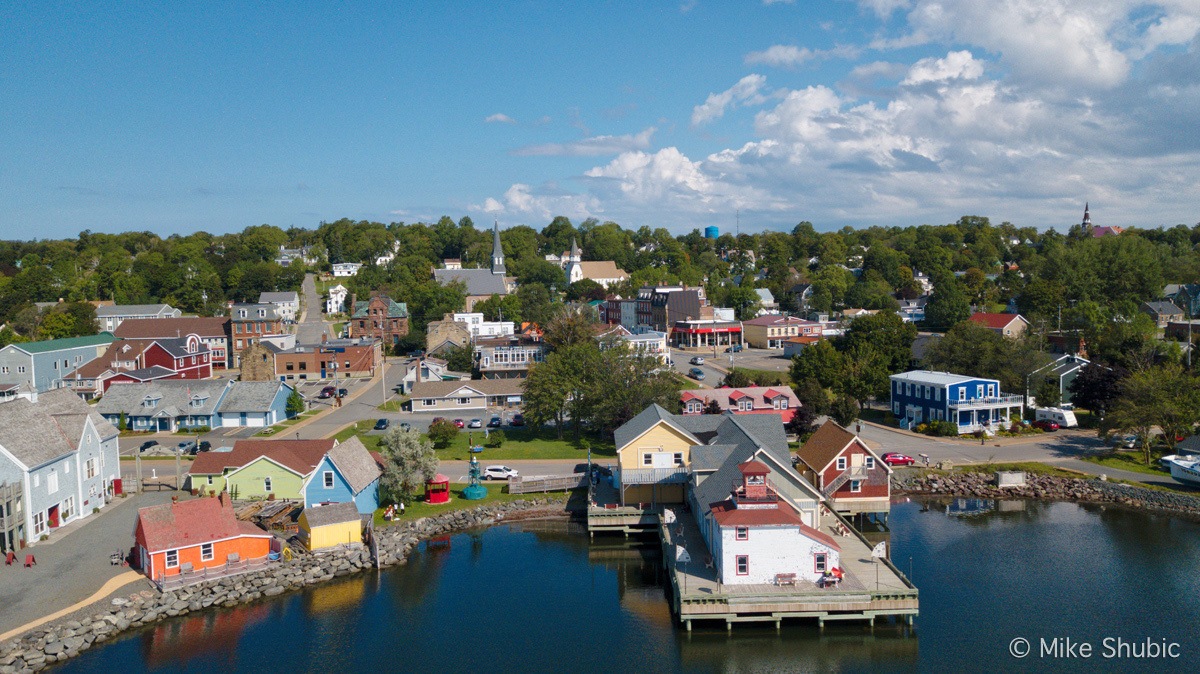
[[72, 565]]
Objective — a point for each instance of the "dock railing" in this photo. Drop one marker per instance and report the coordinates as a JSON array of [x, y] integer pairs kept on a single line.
[[183, 579], [527, 485]]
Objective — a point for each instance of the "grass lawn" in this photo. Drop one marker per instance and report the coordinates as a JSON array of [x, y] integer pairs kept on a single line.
[[497, 493], [277, 428], [684, 382], [394, 405], [518, 444], [1131, 461], [1026, 466]]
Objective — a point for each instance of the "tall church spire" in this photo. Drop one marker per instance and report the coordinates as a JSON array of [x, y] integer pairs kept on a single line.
[[576, 256], [1087, 218], [497, 251]]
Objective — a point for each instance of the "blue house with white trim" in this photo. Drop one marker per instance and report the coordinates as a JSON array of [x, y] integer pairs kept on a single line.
[[347, 473], [973, 403]]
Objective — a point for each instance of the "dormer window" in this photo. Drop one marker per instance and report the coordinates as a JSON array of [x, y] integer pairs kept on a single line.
[[150, 401]]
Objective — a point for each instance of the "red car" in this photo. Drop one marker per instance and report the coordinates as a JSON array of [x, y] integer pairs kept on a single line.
[[1046, 425], [898, 459], [460, 423]]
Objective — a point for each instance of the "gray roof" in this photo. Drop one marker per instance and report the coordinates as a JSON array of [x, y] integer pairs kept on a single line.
[[278, 298], [37, 433], [710, 457], [178, 347], [745, 443], [642, 422], [355, 464], [133, 310], [336, 513], [250, 396], [1190, 445], [172, 394], [478, 281], [1163, 308]]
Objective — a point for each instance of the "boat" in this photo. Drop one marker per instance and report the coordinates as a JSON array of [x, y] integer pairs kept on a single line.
[[1185, 470]]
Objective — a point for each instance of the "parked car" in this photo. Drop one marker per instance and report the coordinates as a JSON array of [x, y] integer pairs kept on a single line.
[[518, 420], [898, 459], [460, 423], [382, 425], [697, 360], [475, 423], [1046, 425], [204, 446], [187, 447], [405, 426], [736, 348], [327, 392], [498, 473], [436, 419], [495, 422], [342, 393], [696, 373], [147, 445], [1126, 441]]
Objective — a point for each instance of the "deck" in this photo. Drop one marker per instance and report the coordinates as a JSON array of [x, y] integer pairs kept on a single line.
[[870, 589]]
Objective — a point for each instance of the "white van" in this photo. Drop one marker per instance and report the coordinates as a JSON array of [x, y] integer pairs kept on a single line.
[[1064, 418]]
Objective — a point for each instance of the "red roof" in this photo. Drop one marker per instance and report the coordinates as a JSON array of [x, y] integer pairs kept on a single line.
[[771, 393], [301, 456], [995, 321], [188, 523], [738, 395], [727, 514], [754, 468], [688, 395]]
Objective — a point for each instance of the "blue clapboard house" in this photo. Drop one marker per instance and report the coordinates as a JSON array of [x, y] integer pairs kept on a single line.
[[974, 403]]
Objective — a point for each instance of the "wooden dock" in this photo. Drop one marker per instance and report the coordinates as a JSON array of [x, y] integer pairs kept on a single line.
[[871, 588]]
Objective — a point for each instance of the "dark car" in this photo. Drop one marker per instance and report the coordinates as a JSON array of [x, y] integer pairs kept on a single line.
[[436, 419], [1046, 425], [518, 420], [405, 426], [382, 425], [327, 392], [898, 459], [147, 445], [342, 393], [495, 422], [696, 373], [204, 446], [733, 349], [187, 447]]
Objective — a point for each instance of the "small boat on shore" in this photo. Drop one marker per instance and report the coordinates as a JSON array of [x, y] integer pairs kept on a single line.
[[1185, 469]]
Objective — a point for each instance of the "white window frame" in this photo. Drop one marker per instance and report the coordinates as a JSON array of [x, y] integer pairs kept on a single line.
[[206, 552], [741, 533], [869, 462], [90, 468], [39, 523], [267, 484], [172, 559], [327, 479], [647, 459], [820, 562], [855, 486], [66, 509], [52, 482], [841, 463], [742, 562]]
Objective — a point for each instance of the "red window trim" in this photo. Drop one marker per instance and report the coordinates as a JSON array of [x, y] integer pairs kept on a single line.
[[741, 533], [824, 556], [738, 565]]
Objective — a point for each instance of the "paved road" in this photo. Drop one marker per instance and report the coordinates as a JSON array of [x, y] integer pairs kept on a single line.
[[72, 564], [313, 326]]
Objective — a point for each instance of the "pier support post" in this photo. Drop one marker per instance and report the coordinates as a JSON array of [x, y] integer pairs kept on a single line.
[[821, 623], [778, 623], [689, 625], [728, 626]]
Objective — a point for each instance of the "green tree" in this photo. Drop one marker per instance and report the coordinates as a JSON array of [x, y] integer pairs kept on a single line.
[[948, 305], [585, 290], [819, 361], [1097, 387], [56, 325], [737, 378], [442, 432], [295, 404], [409, 462], [569, 325], [460, 358], [885, 332], [1047, 393], [844, 410], [494, 439]]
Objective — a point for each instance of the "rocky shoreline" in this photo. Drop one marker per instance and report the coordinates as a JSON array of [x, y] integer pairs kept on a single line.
[[49, 644], [1047, 487]]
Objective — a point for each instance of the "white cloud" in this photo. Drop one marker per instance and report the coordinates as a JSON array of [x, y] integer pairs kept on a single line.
[[780, 55], [884, 8], [778, 2], [956, 65], [590, 147], [745, 92], [521, 200], [499, 118], [1170, 30]]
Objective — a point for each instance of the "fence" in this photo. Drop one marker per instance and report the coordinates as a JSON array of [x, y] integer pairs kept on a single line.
[[185, 578], [526, 485]]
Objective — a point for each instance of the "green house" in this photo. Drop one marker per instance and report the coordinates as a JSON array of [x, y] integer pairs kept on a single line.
[[259, 469]]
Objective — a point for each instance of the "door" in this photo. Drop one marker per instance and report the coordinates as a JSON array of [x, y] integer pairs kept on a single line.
[[52, 516], [662, 460]]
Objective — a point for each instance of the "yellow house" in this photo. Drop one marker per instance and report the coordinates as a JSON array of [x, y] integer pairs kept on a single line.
[[654, 452], [331, 525]]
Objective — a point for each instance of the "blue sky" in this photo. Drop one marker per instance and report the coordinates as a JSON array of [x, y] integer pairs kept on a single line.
[[180, 116]]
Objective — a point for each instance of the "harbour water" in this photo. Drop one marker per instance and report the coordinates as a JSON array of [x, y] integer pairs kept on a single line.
[[540, 598]]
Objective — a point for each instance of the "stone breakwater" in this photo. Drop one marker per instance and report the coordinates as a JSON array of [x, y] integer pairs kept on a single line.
[[46, 645], [1054, 488]]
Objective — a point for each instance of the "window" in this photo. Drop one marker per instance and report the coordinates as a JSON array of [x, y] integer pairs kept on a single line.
[[979, 390], [647, 459], [89, 469], [427, 402], [781, 403], [20, 369], [4, 370], [52, 482], [267, 484], [172, 559], [855, 486], [67, 467], [210, 479], [67, 511], [303, 366], [464, 401], [39, 523], [870, 462], [896, 408], [841, 463], [819, 562], [743, 565], [678, 457], [328, 477], [206, 552], [742, 533]]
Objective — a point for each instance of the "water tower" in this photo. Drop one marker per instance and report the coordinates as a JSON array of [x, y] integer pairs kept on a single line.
[[711, 232]]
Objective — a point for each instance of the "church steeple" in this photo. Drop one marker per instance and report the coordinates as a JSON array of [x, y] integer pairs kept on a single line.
[[576, 255], [1087, 218], [497, 251]]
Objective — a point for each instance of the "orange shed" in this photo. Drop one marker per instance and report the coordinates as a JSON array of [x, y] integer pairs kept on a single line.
[[196, 535]]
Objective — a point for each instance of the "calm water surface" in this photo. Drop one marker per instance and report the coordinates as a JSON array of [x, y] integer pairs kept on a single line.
[[537, 598]]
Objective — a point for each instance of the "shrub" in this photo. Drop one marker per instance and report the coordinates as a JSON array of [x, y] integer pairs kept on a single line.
[[494, 439], [921, 428], [443, 433]]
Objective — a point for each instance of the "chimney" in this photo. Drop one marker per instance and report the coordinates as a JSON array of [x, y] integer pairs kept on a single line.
[[223, 499], [353, 302]]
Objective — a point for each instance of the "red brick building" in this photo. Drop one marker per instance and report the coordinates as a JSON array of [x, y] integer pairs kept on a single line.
[[379, 317], [249, 323], [214, 332], [142, 360], [345, 357]]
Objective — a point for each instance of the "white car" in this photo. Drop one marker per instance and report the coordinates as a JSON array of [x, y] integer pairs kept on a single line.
[[498, 473], [697, 360], [475, 423]]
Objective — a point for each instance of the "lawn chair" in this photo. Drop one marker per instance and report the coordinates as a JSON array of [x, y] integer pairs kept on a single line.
[[30, 560], [10, 558]]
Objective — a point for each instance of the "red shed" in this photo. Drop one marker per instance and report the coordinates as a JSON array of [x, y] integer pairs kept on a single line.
[[437, 490]]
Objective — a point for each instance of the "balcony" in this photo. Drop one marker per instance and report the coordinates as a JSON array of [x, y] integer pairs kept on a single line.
[[672, 475], [987, 403]]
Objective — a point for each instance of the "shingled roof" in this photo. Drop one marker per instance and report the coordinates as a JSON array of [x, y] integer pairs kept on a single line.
[[153, 328], [37, 433], [825, 445], [299, 456], [355, 463], [189, 523], [335, 513]]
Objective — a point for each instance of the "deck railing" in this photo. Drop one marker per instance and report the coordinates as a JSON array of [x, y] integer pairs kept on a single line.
[[184, 578], [982, 403], [671, 475], [526, 485]]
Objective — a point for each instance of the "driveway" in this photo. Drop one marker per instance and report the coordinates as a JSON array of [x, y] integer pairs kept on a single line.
[[313, 326]]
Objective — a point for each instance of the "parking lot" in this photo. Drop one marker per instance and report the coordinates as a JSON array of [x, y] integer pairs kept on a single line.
[[420, 421]]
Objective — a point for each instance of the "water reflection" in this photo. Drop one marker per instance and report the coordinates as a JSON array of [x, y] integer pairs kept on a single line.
[[211, 636]]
